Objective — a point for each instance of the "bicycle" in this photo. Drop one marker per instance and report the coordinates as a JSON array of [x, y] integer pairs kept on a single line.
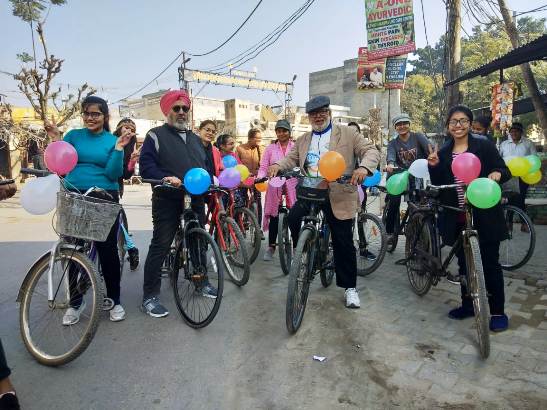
[[195, 253], [424, 263]]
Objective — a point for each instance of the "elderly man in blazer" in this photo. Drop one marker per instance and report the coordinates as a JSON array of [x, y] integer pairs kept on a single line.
[[341, 207]]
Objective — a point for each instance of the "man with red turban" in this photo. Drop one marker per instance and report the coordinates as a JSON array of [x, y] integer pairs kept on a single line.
[[167, 153]]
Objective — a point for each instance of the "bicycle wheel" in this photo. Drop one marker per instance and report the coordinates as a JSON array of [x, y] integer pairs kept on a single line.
[[477, 290], [248, 224], [284, 243], [234, 252], [45, 337], [370, 239], [517, 250], [392, 245], [420, 243], [121, 242], [198, 278], [326, 272], [299, 281]]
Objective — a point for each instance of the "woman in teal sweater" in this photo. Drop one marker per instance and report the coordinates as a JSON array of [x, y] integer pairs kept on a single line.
[[100, 164]]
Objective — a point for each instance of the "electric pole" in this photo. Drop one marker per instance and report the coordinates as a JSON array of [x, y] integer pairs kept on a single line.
[[454, 51]]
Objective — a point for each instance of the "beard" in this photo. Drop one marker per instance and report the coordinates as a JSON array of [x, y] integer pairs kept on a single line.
[[320, 127], [180, 125]]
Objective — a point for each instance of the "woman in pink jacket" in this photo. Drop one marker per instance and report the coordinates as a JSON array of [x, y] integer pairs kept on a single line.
[[275, 152]]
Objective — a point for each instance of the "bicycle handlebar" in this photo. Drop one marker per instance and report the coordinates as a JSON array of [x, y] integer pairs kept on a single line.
[[162, 183], [37, 172], [7, 181]]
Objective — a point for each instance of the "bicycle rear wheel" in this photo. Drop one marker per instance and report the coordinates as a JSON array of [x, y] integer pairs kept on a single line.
[[234, 253], [284, 243], [420, 242], [392, 245], [369, 236], [41, 321], [198, 278], [477, 289], [299, 281], [250, 228], [517, 250]]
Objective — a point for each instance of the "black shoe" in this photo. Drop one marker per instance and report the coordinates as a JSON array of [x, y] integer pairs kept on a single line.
[[461, 313], [208, 291], [365, 253], [133, 256], [9, 402]]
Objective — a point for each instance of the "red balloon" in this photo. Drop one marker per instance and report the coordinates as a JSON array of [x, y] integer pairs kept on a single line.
[[466, 167], [60, 157]]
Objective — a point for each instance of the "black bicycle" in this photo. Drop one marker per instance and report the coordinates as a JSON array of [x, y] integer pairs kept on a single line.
[[370, 240], [425, 265]]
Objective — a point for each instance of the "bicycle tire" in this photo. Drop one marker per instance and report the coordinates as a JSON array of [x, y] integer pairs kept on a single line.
[[295, 313], [250, 228], [284, 243], [201, 254], [326, 252], [392, 245], [477, 289], [122, 252], [377, 230], [509, 258], [91, 291], [234, 265], [420, 278]]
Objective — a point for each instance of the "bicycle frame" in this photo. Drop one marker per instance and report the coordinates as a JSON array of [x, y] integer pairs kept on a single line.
[[214, 213]]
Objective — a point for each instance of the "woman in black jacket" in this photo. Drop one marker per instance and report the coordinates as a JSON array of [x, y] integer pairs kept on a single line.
[[488, 222]]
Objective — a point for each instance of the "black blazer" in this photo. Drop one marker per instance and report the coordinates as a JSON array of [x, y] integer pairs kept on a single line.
[[488, 222]]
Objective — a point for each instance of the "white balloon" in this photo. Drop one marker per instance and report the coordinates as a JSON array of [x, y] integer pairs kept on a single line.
[[39, 195], [419, 168]]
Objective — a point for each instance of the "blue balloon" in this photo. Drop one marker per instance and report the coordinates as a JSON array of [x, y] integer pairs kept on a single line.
[[373, 180], [229, 162], [197, 181]]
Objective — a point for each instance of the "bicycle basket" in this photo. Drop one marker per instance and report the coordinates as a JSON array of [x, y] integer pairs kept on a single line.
[[312, 189], [85, 217]]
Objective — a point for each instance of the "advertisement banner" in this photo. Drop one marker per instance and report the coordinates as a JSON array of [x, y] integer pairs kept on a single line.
[[390, 28], [502, 106], [370, 73], [395, 72]]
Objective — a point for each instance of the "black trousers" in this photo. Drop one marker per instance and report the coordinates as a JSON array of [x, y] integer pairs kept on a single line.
[[345, 260], [258, 197], [393, 207], [4, 369], [273, 228]]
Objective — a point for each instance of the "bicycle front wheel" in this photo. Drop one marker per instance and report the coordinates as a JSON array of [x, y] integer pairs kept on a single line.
[[250, 228], [327, 254], [44, 324], [518, 248], [234, 251], [419, 248], [198, 278], [370, 240], [121, 241], [299, 281], [477, 289], [284, 243]]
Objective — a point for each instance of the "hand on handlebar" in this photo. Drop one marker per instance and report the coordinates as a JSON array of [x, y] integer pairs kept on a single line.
[[174, 181], [273, 170], [390, 168], [359, 175]]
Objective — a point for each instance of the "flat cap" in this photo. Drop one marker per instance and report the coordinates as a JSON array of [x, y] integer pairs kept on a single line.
[[317, 102], [402, 117], [283, 124]]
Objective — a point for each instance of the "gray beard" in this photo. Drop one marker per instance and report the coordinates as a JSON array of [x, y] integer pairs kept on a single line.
[[319, 128], [181, 125]]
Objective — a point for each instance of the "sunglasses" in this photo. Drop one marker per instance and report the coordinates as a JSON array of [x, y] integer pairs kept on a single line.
[[177, 108]]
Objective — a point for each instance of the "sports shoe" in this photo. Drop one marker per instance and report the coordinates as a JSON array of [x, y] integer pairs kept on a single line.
[[365, 253], [133, 256], [208, 291], [268, 255], [154, 308], [524, 228], [72, 315], [352, 298], [117, 313], [499, 323], [9, 401], [461, 313]]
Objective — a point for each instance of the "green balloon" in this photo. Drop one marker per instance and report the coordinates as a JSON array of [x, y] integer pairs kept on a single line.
[[535, 163], [398, 183], [483, 193]]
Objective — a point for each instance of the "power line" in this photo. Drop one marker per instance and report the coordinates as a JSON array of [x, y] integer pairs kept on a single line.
[[229, 38]]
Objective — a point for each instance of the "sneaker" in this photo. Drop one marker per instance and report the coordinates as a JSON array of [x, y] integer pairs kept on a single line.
[[461, 313], [524, 228], [262, 237], [72, 315], [133, 256], [268, 255], [9, 401], [389, 239], [499, 323], [352, 298], [117, 313], [208, 291], [154, 308], [365, 253]]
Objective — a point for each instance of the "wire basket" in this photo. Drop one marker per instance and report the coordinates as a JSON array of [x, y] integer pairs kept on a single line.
[[85, 217]]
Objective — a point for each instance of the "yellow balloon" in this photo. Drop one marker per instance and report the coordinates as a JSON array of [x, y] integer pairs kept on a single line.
[[532, 178], [243, 170], [519, 166]]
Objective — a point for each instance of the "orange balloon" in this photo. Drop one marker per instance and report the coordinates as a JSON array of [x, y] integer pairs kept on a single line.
[[332, 165], [262, 186]]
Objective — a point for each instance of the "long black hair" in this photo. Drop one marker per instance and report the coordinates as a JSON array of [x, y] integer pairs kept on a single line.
[[103, 107], [459, 108], [222, 139]]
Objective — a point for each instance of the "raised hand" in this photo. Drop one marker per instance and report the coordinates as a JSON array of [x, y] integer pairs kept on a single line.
[[135, 154], [51, 129], [433, 157], [123, 139]]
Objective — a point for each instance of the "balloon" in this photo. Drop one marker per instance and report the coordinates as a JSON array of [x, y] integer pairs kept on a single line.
[[229, 161], [39, 195], [60, 157], [249, 181], [483, 193], [360, 193], [331, 165], [197, 181], [532, 178], [519, 166], [215, 180], [398, 183], [262, 186], [373, 180], [229, 178], [419, 168], [535, 163], [466, 167], [243, 170], [277, 182]]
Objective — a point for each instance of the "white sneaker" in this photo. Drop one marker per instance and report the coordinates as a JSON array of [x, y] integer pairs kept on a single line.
[[72, 315], [352, 299], [268, 255], [117, 313]]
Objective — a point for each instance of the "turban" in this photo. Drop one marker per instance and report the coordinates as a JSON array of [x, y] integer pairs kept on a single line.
[[171, 97]]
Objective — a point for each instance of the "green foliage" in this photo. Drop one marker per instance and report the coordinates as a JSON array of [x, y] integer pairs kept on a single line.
[[31, 10], [25, 57]]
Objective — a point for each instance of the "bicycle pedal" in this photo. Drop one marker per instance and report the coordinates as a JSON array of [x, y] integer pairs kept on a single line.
[[401, 262], [455, 279]]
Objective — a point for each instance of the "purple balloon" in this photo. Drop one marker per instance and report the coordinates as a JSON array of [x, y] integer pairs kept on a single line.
[[229, 178], [277, 182]]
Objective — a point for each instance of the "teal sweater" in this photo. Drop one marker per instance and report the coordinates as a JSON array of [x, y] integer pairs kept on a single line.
[[99, 163]]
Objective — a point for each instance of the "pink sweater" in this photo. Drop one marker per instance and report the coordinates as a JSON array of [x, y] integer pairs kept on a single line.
[[273, 154]]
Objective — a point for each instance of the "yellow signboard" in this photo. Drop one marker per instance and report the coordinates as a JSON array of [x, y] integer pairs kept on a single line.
[[207, 77]]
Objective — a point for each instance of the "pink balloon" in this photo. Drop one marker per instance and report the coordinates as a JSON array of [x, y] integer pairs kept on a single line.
[[277, 182], [360, 193], [250, 181], [60, 157], [466, 167]]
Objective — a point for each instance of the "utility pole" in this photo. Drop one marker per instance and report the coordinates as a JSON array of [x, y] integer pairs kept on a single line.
[[454, 51], [527, 74], [183, 84]]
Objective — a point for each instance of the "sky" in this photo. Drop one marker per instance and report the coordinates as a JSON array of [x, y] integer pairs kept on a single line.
[[118, 46]]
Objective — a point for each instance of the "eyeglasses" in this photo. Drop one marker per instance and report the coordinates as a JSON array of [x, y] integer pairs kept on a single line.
[[462, 121], [316, 113], [177, 108], [92, 114], [210, 130]]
